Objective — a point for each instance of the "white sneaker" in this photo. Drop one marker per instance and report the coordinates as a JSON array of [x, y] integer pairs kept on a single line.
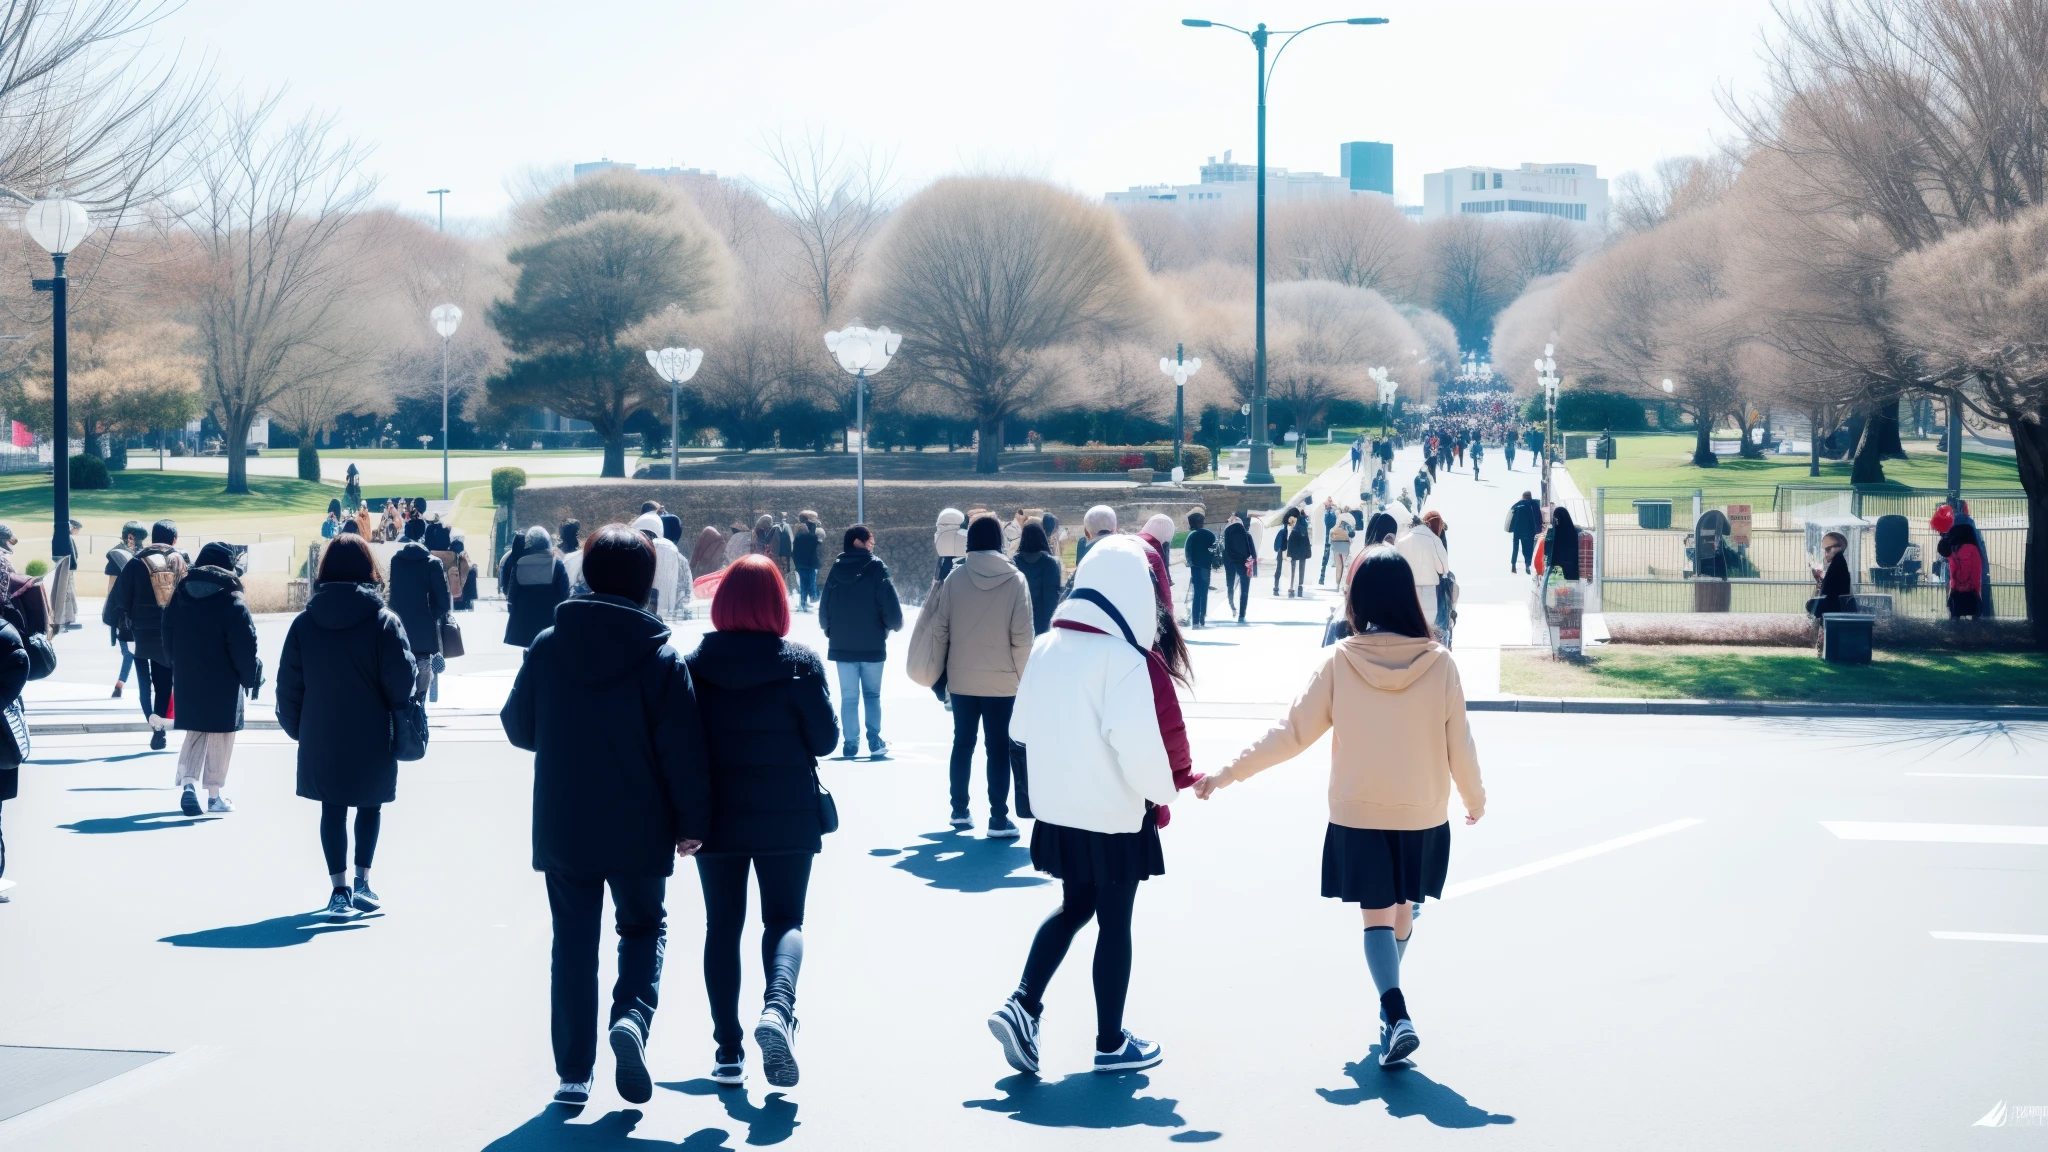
[[219, 804], [573, 1095]]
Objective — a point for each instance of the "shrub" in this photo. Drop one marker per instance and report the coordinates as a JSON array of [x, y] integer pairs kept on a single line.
[[37, 569], [504, 482], [89, 472], [309, 460]]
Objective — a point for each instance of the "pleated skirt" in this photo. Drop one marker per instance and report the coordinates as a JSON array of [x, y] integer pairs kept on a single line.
[[1102, 858], [1379, 868]]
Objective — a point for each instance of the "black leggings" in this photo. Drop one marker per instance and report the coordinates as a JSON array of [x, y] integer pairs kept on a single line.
[[784, 879], [334, 834], [1111, 908]]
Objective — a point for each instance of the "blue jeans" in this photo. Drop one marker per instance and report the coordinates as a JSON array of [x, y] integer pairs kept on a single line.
[[127, 658], [860, 680], [806, 587]]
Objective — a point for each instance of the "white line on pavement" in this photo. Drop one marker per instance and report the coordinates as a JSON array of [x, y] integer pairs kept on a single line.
[[1979, 775], [1991, 937], [1467, 887], [1939, 833]]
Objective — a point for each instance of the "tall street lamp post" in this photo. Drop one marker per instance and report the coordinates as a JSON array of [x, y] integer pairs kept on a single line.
[[446, 317], [59, 226], [1388, 389], [440, 196], [1546, 375], [1261, 469], [1179, 369], [863, 351], [675, 365]]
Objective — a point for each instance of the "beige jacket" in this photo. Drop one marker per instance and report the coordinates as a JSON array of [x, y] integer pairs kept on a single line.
[[975, 628], [1401, 739]]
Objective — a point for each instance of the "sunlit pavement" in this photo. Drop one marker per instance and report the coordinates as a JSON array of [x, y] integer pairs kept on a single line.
[[1673, 933]]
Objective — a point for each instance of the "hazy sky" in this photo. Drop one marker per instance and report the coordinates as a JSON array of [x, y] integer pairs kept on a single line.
[[1093, 94]]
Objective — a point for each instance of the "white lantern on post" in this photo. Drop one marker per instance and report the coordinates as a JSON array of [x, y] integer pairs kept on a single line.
[[862, 351], [676, 366], [1178, 368]]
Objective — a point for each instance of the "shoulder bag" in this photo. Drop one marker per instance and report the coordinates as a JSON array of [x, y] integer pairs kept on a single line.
[[828, 808], [451, 637]]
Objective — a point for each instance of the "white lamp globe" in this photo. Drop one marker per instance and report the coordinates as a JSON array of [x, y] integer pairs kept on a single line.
[[57, 225], [447, 318]]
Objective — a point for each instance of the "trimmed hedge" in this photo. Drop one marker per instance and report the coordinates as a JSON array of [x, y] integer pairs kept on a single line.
[[1194, 458], [504, 482], [89, 472]]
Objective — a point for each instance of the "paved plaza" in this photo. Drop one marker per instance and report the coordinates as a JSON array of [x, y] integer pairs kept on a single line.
[[1667, 932]]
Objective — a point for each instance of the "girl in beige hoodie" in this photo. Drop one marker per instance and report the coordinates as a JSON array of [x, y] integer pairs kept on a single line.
[[1393, 696]]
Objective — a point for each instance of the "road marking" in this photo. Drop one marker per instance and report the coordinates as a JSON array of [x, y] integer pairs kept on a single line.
[[1467, 887], [1991, 937], [1939, 833], [1979, 775]]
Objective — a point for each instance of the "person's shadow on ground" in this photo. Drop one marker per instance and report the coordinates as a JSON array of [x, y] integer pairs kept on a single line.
[[964, 862], [1407, 1092], [771, 1123], [551, 1132], [103, 760], [1084, 1100], [139, 822], [276, 932]]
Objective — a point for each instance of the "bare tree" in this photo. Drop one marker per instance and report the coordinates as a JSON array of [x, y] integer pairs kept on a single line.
[[1676, 185], [831, 201], [1360, 241], [1543, 247], [1329, 336], [1469, 273], [985, 276]]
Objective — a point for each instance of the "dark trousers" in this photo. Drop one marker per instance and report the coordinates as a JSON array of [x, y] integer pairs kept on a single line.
[[784, 880], [578, 906], [1297, 569], [1111, 909], [1323, 576], [1523, 548], [1198, 598], [806, 587], [154, 681], [992, 715], [1237, 587], [334, 835]]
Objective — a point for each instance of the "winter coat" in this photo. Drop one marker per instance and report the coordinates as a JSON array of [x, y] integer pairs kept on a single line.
[[1301, 541], [1427, 558], [1199, 550], [438, 536], [975, 629], [132, 607], [804, 547], [767, 719], [533, 585], [671, 574], [13, 678], [1525, 518], [1043, 577], [211, 640], [1155, 557], [419, 594], [1237, 545], [609, 712], [345, 668], [858, 609]]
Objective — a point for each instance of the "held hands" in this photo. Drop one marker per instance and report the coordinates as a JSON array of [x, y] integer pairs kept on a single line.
[[689, 847], [1207, 786]]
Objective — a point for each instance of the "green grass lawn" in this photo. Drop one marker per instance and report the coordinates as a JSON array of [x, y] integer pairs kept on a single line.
[[1320, 456], [1665, 461], [149, 495], [1700, 672]]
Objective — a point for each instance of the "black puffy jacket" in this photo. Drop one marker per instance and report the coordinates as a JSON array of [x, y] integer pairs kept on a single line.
[[419, 594], [803, 546], [1043, 577], [132, 608], [858, 609], [211, 640], [533, 584], [609, 712], [767, 719], [1237, 544], [344, 668], [13, 677], [1200, 552]]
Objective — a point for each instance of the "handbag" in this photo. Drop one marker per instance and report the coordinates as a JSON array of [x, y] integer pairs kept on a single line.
[[409, 729], [451, 637], [828, 808], [17, 729]]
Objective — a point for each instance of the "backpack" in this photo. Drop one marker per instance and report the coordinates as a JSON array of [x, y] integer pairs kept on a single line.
[[31, 602], [166, 568]]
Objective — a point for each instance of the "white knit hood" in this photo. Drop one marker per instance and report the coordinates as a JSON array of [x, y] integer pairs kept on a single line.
[[1116, 567]]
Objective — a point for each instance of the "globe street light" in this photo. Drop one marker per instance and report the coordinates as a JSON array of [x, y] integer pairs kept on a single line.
[[675, 365], [1546, 375], [1179, 368], [59, 226], [862, 351], [1388, 388], [1261, 470], [446, 318]]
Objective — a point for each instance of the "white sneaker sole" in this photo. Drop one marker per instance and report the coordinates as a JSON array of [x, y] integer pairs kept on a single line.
[[1132, 1065], [632, 1080], [1013, 1044], [1401, 1049], [778, 1062]]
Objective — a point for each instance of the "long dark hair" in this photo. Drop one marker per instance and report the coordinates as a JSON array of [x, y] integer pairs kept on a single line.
[[1172, 646], [1032, 538], [1564, 537], [1383, 595], [1381, 526]]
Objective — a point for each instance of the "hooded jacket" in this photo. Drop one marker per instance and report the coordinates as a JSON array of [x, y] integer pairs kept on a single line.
[[211, 640], [345, 667], [132, 607], [671, 573], [609, 711], [1042, 577], [858, 609], [1085, 709], [1401, 740], [419, 595], [1425, 554], [533, 584], [767, 719], [1237, 544], [975, 629], [1525, 517]]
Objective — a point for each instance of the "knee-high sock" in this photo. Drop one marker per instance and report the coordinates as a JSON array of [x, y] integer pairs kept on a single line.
[[1401, 944], [1383, 957]]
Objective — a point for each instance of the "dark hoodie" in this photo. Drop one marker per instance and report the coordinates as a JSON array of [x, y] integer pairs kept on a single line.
[[767, 719], [132, 608], [344, 669], [858, 609], [1237, 544], [610, 713], [419, 594], [533, 583], [211, 640], [1042, 575]]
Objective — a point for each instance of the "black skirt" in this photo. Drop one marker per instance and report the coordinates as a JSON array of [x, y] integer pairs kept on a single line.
[[1101, 858], [1378, 868]]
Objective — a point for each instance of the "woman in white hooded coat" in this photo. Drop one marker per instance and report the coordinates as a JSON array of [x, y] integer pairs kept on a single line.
[[1099, 767], [1428, 558], [671, 571]]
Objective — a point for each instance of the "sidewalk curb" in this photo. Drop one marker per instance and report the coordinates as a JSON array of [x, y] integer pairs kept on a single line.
[[1597, 706]]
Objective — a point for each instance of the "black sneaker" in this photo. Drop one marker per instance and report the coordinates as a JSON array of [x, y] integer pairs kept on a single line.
[[1000, 828], [629, 1046], [157, 742], [777, 1036], [365, 897], [1398, 1042], [189, 802], [573, 1095], [960, 819], [729, 1073], [339, 903]]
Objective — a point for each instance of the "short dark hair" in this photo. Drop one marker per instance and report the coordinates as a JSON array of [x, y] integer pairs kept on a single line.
[[348, 560], [857, 532], [1383, 595], [415, 529], [1196, 520], [567, 534], [647, 506], [1033, 538], [133, 530], [618, 561], [164, 532], [985, 535]]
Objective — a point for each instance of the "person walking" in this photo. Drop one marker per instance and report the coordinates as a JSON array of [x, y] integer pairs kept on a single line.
[[949, 540], [1158, 538], [1238, 554], [1525, 520], [534, 581], [1098, 522], [806, 543], [135, 607], [1507, 448], [568, 534], [621, 788], [1199, 553], [1424, 481], [1086, 712], [331, 526], [671, 588], [1428, 561], [419, 596], [1397, 706], [857, 611], [1301, 544], [1446, 584], [975, 630], [767, 720], [1965, 570], [1340, 548], [1478, 454], [1287, 521], [345, 668], [352, 490], [210, 638], [133, 533], [1329, 525], [1043, 574]]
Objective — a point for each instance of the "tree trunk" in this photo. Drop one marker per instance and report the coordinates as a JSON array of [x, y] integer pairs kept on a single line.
[[614, 455], [1703, 442], [1813, 444], [234, 440], [988, 455], [2030, 443], [1880, 439], [309, 459], [1884, 427]]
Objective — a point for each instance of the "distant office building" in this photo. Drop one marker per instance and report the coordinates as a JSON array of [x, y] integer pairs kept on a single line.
[[1226, 183], [681, 178], [1571, 192], [1368, 165]]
